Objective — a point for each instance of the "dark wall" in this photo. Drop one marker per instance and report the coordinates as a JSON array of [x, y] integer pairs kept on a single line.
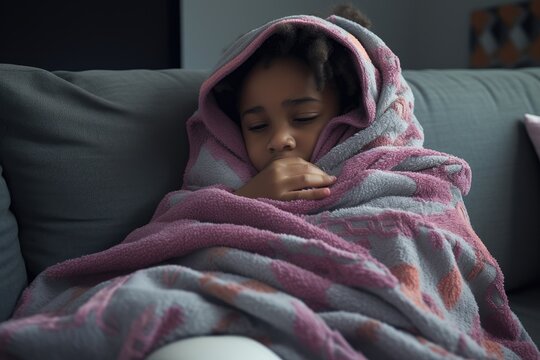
[[95, 34]]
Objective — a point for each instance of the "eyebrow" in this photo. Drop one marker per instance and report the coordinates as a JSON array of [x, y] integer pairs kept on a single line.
[[259, 109]]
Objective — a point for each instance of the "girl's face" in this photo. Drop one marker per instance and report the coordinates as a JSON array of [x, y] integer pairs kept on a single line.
[[281, 111]]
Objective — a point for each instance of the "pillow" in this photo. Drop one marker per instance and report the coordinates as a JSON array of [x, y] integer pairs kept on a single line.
[[88, 155], [532, 124], [12, 270]]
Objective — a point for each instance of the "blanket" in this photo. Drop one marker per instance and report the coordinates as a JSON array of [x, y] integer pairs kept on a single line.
[[387, 266]]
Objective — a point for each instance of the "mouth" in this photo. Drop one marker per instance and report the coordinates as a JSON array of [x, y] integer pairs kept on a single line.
[[282, 156], [279, 157]]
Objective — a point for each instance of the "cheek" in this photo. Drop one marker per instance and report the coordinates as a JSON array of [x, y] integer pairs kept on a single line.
[[315, 133], [250, 143], [255, 149], [312, 144]]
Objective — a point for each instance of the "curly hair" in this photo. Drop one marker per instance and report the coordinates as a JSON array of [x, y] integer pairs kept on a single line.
[[328, 61]]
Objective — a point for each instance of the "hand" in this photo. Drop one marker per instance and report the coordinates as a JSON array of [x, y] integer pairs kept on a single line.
[[288, 179]]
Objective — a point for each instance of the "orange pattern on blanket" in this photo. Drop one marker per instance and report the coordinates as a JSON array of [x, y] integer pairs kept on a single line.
[[407, 275], [368, 330], [258, 286], [218, 253], [482, 253], [361, 50], [494, 349], [450, 288], [219, 288], [226, 322]]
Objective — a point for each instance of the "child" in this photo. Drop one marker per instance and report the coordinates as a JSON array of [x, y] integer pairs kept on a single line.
[[385, 265], [282, 98]]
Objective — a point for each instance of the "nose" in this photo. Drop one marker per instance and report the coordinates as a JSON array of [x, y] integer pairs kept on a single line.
[[282, 139]]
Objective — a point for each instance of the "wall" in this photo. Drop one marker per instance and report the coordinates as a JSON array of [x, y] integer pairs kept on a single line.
[[208, 26], [423, 33]]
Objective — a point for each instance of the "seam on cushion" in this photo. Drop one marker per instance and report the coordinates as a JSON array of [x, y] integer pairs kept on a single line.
[[484, 84]]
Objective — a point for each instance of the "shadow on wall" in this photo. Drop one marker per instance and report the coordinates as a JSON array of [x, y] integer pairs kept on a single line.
[[99, 34]]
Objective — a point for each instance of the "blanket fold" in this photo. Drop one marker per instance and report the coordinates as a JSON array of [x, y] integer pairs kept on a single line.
[[387, 266]]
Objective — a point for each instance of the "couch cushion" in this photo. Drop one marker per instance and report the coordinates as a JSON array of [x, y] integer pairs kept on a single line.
[[12, 270], [477, 115], [88, 155]]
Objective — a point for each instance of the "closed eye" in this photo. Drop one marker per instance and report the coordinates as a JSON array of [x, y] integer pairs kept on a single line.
[[257, 127], [305, 119]]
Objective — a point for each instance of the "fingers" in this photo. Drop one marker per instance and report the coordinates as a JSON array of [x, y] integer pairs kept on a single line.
[[303, 181], [308, 187], [307, 194], [296, 166], [296, 178], [300, 169]]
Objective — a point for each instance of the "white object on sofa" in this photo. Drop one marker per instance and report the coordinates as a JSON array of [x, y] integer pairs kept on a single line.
[[214, 347], [532, 124]]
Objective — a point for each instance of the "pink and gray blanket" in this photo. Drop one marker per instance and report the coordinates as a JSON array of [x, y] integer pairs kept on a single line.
[[387, 266]]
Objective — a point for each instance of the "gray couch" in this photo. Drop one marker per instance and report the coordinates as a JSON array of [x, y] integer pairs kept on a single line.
[[86, 156]]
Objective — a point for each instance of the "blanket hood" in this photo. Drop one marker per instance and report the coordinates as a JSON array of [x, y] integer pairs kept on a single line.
[[385, 117]]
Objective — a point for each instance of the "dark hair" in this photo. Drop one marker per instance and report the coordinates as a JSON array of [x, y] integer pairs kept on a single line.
[[328, 60], [348, 11]]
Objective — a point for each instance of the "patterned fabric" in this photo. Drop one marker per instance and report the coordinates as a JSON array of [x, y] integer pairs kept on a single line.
[[506, 36], [387, 266]]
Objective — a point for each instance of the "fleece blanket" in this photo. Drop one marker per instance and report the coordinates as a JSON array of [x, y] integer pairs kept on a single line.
[[387, 266]]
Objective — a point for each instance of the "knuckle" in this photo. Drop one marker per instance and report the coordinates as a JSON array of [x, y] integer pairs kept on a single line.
[[275, 172]]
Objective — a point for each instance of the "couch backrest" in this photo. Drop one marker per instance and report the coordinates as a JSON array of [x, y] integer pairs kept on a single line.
[[478, 116], [86, 157]]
